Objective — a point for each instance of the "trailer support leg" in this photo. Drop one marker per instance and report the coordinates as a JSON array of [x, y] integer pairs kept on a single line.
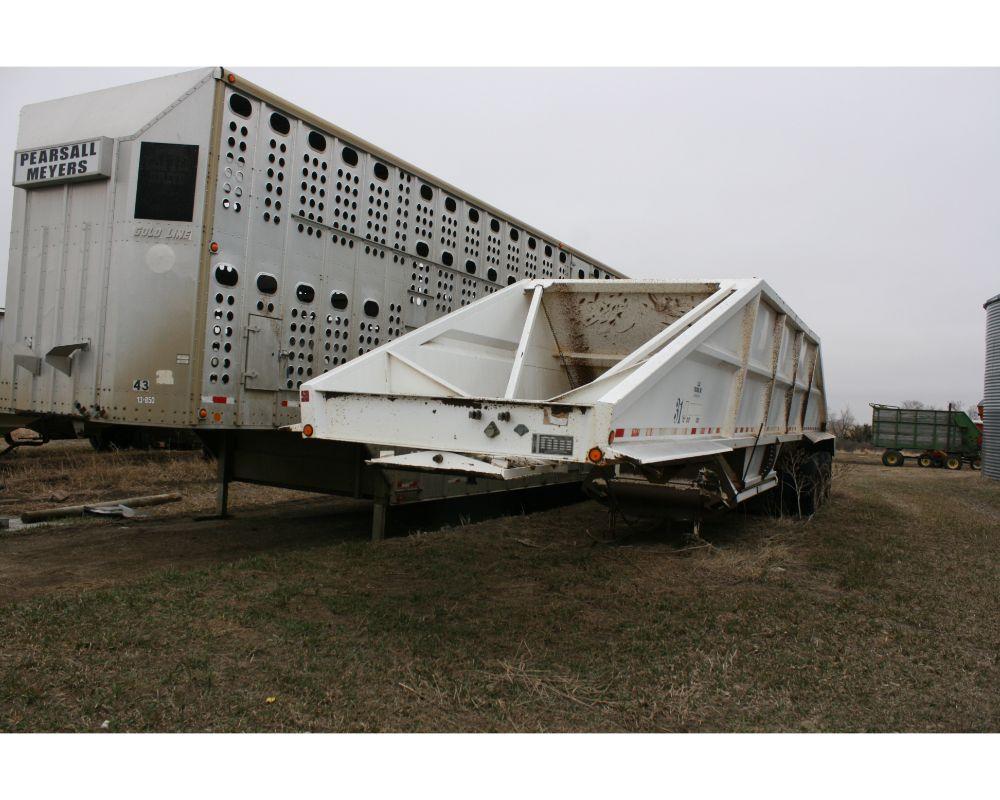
[[225, 472], [380, 509], [379, 513]]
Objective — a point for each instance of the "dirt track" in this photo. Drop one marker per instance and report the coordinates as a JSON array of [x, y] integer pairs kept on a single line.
[[73, 557], [83, 553]]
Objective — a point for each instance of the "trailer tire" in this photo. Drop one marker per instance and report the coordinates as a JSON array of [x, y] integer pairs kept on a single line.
[[953, 462], [803, 489], [99, 442], [925, 460], [892, 458], [976, 463]]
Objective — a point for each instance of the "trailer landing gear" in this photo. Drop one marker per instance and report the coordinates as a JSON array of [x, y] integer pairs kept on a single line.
[[224, 475], [380, 509]]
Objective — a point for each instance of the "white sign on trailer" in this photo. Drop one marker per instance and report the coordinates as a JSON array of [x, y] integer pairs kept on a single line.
[[76, 161]]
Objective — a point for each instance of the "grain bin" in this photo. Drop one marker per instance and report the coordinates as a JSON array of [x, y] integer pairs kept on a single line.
[[991, 397]]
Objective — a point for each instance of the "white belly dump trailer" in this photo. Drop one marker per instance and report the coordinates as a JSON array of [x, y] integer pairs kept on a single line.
[[187, 251], [692, 395]]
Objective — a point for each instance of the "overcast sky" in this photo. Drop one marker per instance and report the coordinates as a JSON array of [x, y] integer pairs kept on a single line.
[[869, 199]]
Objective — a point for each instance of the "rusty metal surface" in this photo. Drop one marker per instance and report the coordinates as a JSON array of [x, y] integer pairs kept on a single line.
[[595, 330]]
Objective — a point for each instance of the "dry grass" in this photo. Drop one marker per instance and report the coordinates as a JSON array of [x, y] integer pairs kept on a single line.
[[880, 613], [71, 473]]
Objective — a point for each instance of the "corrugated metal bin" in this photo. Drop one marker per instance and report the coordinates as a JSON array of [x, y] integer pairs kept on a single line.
[[991, 395]]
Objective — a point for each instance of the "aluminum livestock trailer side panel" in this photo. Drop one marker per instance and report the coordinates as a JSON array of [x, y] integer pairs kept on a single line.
[[683, 389], [186, 251]]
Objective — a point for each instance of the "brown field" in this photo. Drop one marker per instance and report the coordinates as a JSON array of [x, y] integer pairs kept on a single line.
[[881, 613]]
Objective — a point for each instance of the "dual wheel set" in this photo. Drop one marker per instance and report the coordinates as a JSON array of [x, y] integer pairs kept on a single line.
[[953, 461]]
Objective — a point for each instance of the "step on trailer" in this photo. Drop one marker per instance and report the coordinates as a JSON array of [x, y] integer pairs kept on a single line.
[[187, 251], [687, 395], [935, 438]]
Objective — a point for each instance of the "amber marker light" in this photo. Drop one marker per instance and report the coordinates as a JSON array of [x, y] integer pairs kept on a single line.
[[203, 413], [217, 416], [595, 455], [231, 78], [307, 429]]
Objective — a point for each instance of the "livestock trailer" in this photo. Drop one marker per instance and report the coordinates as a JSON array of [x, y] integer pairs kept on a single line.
[[691, 395], [187, 251], [934, 438]]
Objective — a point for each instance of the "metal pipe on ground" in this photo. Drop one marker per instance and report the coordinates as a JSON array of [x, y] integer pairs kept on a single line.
[[78, 510]]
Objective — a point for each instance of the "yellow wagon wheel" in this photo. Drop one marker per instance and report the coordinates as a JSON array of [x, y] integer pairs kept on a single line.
[[892, 458]]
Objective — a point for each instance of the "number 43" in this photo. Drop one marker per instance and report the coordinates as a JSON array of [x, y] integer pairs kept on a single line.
[[140, 385]]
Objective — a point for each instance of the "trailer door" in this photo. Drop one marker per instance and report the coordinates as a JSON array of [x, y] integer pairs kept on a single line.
[[263, 364]]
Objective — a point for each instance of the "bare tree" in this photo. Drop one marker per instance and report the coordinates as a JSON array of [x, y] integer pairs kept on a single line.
[[842, 423], [914, 404], [808, 480]]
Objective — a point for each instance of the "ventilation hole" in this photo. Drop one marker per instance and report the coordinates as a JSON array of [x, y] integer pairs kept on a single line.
[[491, 274], [562, 258], [514, 234], [580, 274], [350, 156], [266, 284], [338, 300], [511, 279], [240, 105], [305, 293], [473, 215], [226, 275], [280, 123], [495, 225], [470, 267], [317, 141], [447, 259], [422, 249], [450, 204], [381, 171], [531, 242], [371, 308], [426, 192]]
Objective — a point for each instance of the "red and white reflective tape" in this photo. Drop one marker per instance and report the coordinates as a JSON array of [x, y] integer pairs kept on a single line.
[[289, 403], [218, 399], [640, 433]]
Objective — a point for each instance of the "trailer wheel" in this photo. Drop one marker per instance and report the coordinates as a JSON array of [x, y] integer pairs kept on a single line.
[[804, 484], [99, 442], [976, 463], [925, 460], [892, 458], [953, 462]]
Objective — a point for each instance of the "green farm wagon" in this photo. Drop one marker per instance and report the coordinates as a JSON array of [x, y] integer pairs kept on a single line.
[[934, 438]]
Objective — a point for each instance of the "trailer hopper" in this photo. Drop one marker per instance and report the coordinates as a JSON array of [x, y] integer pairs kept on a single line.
[[686, 390]]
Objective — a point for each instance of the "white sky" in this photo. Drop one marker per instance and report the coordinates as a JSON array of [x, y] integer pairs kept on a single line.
[[867, 198]]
